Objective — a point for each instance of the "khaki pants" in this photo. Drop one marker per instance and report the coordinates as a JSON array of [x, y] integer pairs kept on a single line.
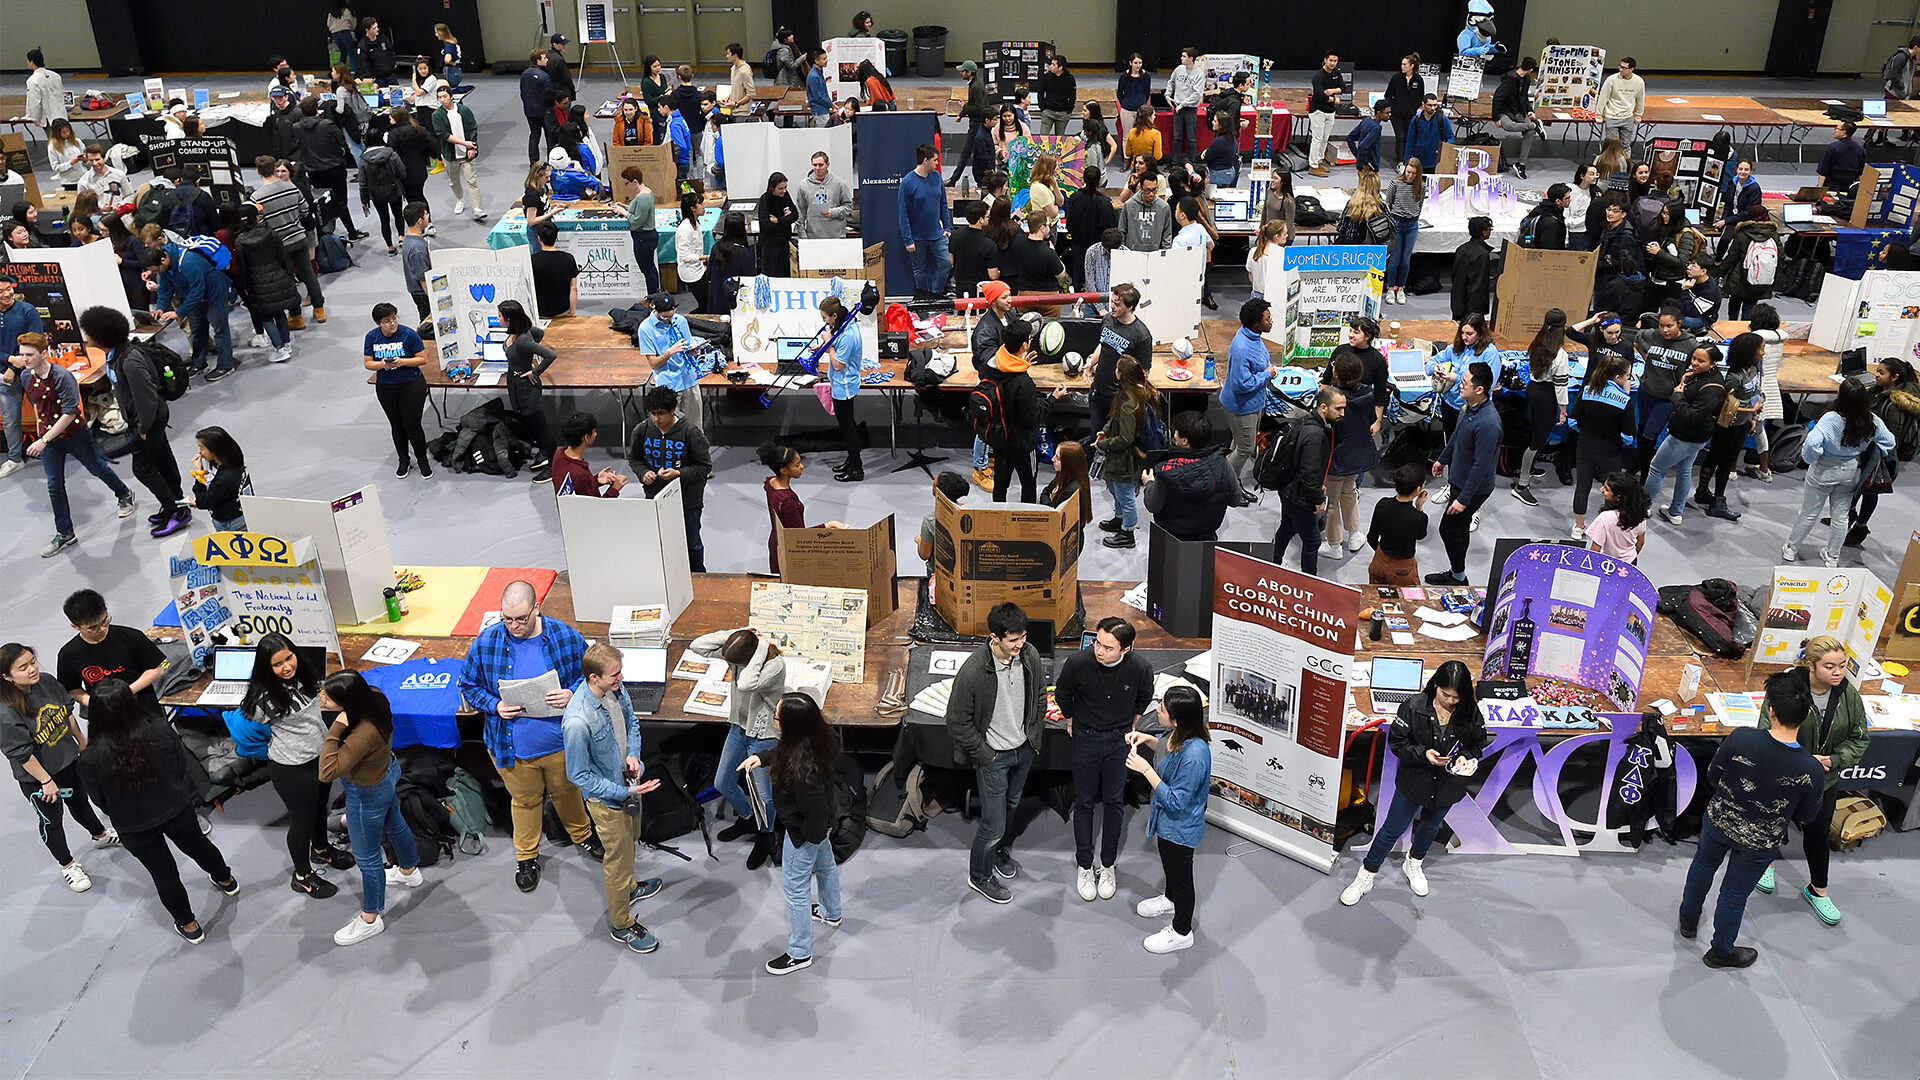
[[1343, 508], [527, 781], [1386, 570], [618, 832], [461, 172]]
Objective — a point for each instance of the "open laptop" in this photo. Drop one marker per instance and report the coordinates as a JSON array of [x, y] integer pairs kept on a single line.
[[1407, 370], [1232, 207], [786, 356], [1040, 636], [232, 668], [1873, 108], [1394, 680], [644, 674], [1798, 217]]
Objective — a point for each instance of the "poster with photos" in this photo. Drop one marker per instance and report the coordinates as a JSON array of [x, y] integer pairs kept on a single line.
[[213, 162], [1694, 168], [1573, 623], [1010, 69], [1570, 76]]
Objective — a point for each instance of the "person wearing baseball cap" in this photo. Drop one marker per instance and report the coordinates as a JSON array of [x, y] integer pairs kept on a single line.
[[557, 66], [664, 339]]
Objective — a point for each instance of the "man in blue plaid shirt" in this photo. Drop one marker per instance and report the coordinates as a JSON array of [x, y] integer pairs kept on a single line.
[[529, 750]]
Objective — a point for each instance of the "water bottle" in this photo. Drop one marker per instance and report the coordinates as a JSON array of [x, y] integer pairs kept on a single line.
[[1046, 444], [1208, 372], [393, 604]]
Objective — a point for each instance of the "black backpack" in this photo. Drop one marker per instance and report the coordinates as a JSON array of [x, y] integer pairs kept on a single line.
[[434, 836], [987, 412], [1308, 213], [1279, 463], [770, 64], [670, 811], [1530, 229], [174, 374], [849, 808]]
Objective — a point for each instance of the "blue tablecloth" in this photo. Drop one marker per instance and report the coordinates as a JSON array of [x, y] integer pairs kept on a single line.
[[511, 231]]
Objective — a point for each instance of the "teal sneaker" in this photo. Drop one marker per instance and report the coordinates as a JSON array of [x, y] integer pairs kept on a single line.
[[1823, 906], [1766, 881]]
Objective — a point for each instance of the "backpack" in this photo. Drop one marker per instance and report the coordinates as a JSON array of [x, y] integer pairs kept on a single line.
[[1279, 463], [670, 811], [467, 810], [1645, 216], [895, 808], [770, 64], [987, 412], [1890, 71], [1855, 818], [174, 374], [1761, 262], [849, 808], [330, 254], [1707, 611], [1308, 213], [215, 251], [1530, 229], [433, 832], [147, 210], [1152, 434], [185, 216]]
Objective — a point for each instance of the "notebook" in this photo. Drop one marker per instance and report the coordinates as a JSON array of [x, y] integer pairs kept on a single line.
[[232, 668]]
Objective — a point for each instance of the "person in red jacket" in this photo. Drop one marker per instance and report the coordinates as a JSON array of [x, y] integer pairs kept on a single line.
[[571, 475]]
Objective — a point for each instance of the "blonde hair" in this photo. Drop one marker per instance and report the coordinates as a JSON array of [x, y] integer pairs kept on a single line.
[[1044, 169], [1273, 232], [599, 659], [1813, 648], [441, 31], [1366, 201], [1613, 156]]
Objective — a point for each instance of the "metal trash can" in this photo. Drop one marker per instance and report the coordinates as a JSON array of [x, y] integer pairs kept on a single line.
[[930, 51], [896, 44]]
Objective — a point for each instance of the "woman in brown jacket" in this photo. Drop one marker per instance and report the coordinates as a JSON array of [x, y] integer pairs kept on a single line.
[[358, 752]]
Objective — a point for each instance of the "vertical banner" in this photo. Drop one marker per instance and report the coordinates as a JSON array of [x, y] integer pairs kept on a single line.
[[887, 141], [1282, 653]]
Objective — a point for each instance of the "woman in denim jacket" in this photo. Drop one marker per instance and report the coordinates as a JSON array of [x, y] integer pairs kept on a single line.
[[1178, 812], [1832, 451]]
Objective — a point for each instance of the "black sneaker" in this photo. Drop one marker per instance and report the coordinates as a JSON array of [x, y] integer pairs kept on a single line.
[[404, 469], [740, 827], [1119, 540], [1112, 524], [593, 849], [194, 936], [1005, 865], [820, 917], [1444, 577], [231, 886], [426, 470], [1520, 170], [338, 858], [1525, 495], [782, 964], [992, 890], [314, 885], [1689, 926], [1740, 957], [527, 875], [218, 373]]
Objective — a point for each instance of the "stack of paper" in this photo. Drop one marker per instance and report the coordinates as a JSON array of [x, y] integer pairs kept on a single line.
[[1735, 710], [642, 627], [933, 700], [710, 697], [1900, 712], [810, 677], [697, 668], [1135, 597]]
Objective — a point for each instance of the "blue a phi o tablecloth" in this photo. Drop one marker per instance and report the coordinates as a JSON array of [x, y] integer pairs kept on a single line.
[[425, 695]]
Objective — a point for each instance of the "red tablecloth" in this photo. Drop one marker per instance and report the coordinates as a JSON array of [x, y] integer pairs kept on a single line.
[[1282, 128]]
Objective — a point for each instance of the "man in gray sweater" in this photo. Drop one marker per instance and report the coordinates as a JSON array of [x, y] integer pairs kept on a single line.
[[1146, 221], [994, 717], [826, 203]]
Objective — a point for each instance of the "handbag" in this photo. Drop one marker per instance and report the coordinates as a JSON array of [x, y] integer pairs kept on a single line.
[[1878, 472]]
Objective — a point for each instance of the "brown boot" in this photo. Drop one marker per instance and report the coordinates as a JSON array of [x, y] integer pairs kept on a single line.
[[296, 322], [319, 313], [1317, 170], [983, 478]]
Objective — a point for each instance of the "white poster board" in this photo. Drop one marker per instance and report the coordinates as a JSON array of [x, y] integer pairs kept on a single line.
[[1878, 313], [1464, 78], [843, 57], [92, 274], [1570, 76], [244, 585], [350, 538], [1169, 282], [626, 551], [1336, 281], [602, 248], [757, 151], [816, 623], [596, 22], [769, 309], [464, 292]]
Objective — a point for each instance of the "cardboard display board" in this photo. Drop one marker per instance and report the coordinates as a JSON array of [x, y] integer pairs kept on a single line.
[[13, 147], [1335, 281], [1879, 313], [1904, 644], [843, 59], [60, 283], [843, 559], [815, 623], [627, 552], [1691, 166], [1532, 280], [233, 588], [656, 163], [464, 291], [1009, 69], [1282, 654], [1281, 287], [350, 535], [1169, 282], [213, 162], [1570, 76], [1480, 161], [1847, 603], [1573, 624], [770, 309], [986, 555]]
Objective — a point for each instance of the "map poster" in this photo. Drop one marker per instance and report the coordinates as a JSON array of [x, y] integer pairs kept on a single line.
[[814, 623]]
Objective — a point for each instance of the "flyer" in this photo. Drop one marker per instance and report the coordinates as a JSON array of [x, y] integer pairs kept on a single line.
[[1846, 602], [1574, 624]]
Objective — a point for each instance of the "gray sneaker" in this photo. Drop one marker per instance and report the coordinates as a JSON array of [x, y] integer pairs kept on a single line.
[[59, 543], [992, 890], [1005, 865]]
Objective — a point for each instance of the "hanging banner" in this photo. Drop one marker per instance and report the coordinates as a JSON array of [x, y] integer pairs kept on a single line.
[[1570, 76], [602, 247], [213, 162], [887, 142], [1573, 624], [1282, 653]]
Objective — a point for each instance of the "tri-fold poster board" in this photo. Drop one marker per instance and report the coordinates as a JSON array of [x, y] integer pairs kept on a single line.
[[350, 540], [465, 289], [627, 551], [1846, 603], [1169, 282], [233, 588]]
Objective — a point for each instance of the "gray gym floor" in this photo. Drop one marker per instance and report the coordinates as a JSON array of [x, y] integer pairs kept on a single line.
[[1513, 967]]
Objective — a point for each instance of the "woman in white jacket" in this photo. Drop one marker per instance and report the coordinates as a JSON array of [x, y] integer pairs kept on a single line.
[[759, 676]]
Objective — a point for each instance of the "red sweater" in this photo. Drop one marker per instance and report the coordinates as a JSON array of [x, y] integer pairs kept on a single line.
[[783, 508], [572, 477]]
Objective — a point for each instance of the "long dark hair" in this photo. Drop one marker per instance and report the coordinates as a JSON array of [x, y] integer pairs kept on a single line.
[[866, 71], [1546, 344], [808, 744], [1189, 718], [1482, 340], [270, 694], [120, 731], [1453, 675], [1072, 475], [226, 452], [513, 317], [1630, 502], [1855, 406], [359, 702], [774, 180], [1743, 352], [10, 654]]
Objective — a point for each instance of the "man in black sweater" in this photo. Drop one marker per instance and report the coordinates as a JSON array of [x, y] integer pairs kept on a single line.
[[1056, 92], [1473, 271], [1762, 779], [1101, 693]]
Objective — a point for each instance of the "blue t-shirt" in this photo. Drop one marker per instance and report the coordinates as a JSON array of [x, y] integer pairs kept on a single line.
[[404, 342], [425, 697], [533, 736], [847, 343]]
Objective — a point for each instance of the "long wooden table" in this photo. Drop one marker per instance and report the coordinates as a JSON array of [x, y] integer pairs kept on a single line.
[[1807, 115]]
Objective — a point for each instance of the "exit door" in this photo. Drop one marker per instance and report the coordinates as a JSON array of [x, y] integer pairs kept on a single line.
[[1894, 23]]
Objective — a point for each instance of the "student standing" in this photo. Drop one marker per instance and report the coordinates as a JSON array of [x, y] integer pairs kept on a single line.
[[601, 734], [1135, 87], [1398, 526], [187, 285], [642, 225], [135, 767], [1014, 438], [689, 251], [571, 476], [16, 318], [1619, 530], [778, 217], [1305, 493], [283, 694], [1405, 196], [802, 770], [220, 478], [1472, 343], [1118, 441], [1189, 490], [358, 751], [59, 434], [1472, 292], [1622, 103], [1101, 692], [265, 275], [1405, 90], [665, 341], [1177, 814], [1243, 393], [1835, 733], [1731, 425], [1185, 87], [1547, 377], [556, 274], [1364, 139], [1834, 450], [1762, 778], [1056, 94], [1354, 456], [102, 649], [416, 258], [669, 447], [1436, 739], [1604, 417], [1427, 132], [1697, 404], [784, 508], [1469, 462], [926, 222], [395, 354], [527, 359], [41, 738], [1323, 99], [758, 673], [994, 716], [844, 362]]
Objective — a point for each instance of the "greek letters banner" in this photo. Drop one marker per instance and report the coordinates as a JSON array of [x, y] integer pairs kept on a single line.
[[1282, 653]]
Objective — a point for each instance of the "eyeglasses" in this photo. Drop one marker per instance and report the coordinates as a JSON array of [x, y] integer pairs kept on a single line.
[[519, 620], [98, 625]]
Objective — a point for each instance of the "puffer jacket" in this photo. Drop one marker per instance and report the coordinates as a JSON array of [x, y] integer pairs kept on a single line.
[[1191, 491], [487, 424], [1353, 449], [1898, 407], [264, 272], [381, 174], [1734, 267], [322, 145]]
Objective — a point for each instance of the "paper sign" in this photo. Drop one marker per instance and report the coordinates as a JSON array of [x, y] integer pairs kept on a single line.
[[390, 651]]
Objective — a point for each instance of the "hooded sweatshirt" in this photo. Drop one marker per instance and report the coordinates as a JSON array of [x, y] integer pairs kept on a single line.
[[1146, 226], [1020, 400], [1191, 491], [816, 196]]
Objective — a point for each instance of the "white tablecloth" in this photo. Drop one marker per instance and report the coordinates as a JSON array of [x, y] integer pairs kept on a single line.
[[1443, 225]]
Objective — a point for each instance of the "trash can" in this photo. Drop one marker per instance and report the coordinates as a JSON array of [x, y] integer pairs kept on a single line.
[[930, 51], [896, 44]]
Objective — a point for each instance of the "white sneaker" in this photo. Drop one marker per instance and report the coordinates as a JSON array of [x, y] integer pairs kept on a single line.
[[359, 930], [1362, 885], [1109, 882], [1329, 551], [1577, 533], [1788, 554], [1416, 876], [1474, 525], [1166, 941], [1829, 557], [110, 838], [282, 354], [430, 231], [10, 466], [257, 341], [1356, 542], [1154, 907], [76, 876], [411, 881], [459, 206], [479, 214], [1084, 883]]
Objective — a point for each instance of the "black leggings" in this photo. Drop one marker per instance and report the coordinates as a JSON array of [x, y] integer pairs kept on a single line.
[[1814, 840], [52, 832], [416, 189], [306, 798], [525, 399], [1177, 861], [388, 209], [156, 469], [403, 403], [1723, 454], [849, 433], [1006, 462], [335, 181], [1590, 464], [150, 847]]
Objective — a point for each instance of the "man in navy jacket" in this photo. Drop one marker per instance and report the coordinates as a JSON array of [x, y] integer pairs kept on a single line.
[[1470, 462]]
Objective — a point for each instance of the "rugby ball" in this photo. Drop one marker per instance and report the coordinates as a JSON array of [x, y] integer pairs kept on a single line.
[[1182, 349], [1053, 338], [1074, 363]]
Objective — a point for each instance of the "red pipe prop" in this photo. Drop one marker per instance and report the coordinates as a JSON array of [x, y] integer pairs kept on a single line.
[[971, 303]]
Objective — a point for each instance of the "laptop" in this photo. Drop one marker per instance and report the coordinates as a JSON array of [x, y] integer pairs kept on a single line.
[[786, 356], [1407, 370], [1395, 679], [1873, 108], [1798, 217], [644, 674], [232, 668], [1231, 207], [1040, 636]]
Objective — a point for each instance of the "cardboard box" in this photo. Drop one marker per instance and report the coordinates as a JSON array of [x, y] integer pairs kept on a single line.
[[873, 263], [1533, 280], [986, 555], [844, 559], [20, 160], [1904, 642], [656, 162]]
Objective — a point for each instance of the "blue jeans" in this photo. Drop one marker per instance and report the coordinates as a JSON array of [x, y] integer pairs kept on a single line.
[[210, 329], [979, 452], [1001, 781], [373, 813], [275, 325], [1406, 232], [1402, 812], [930, 265], [726, 779], [1744, 867], [238, 524], [1305, 524], [1124, 508], [80, 447], [343, 40], [1223, 177], [1186, 133], [11, 394], [800, 865], [1677, 455]]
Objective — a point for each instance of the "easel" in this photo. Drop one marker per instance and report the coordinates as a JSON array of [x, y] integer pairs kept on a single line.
[[589, 9]]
